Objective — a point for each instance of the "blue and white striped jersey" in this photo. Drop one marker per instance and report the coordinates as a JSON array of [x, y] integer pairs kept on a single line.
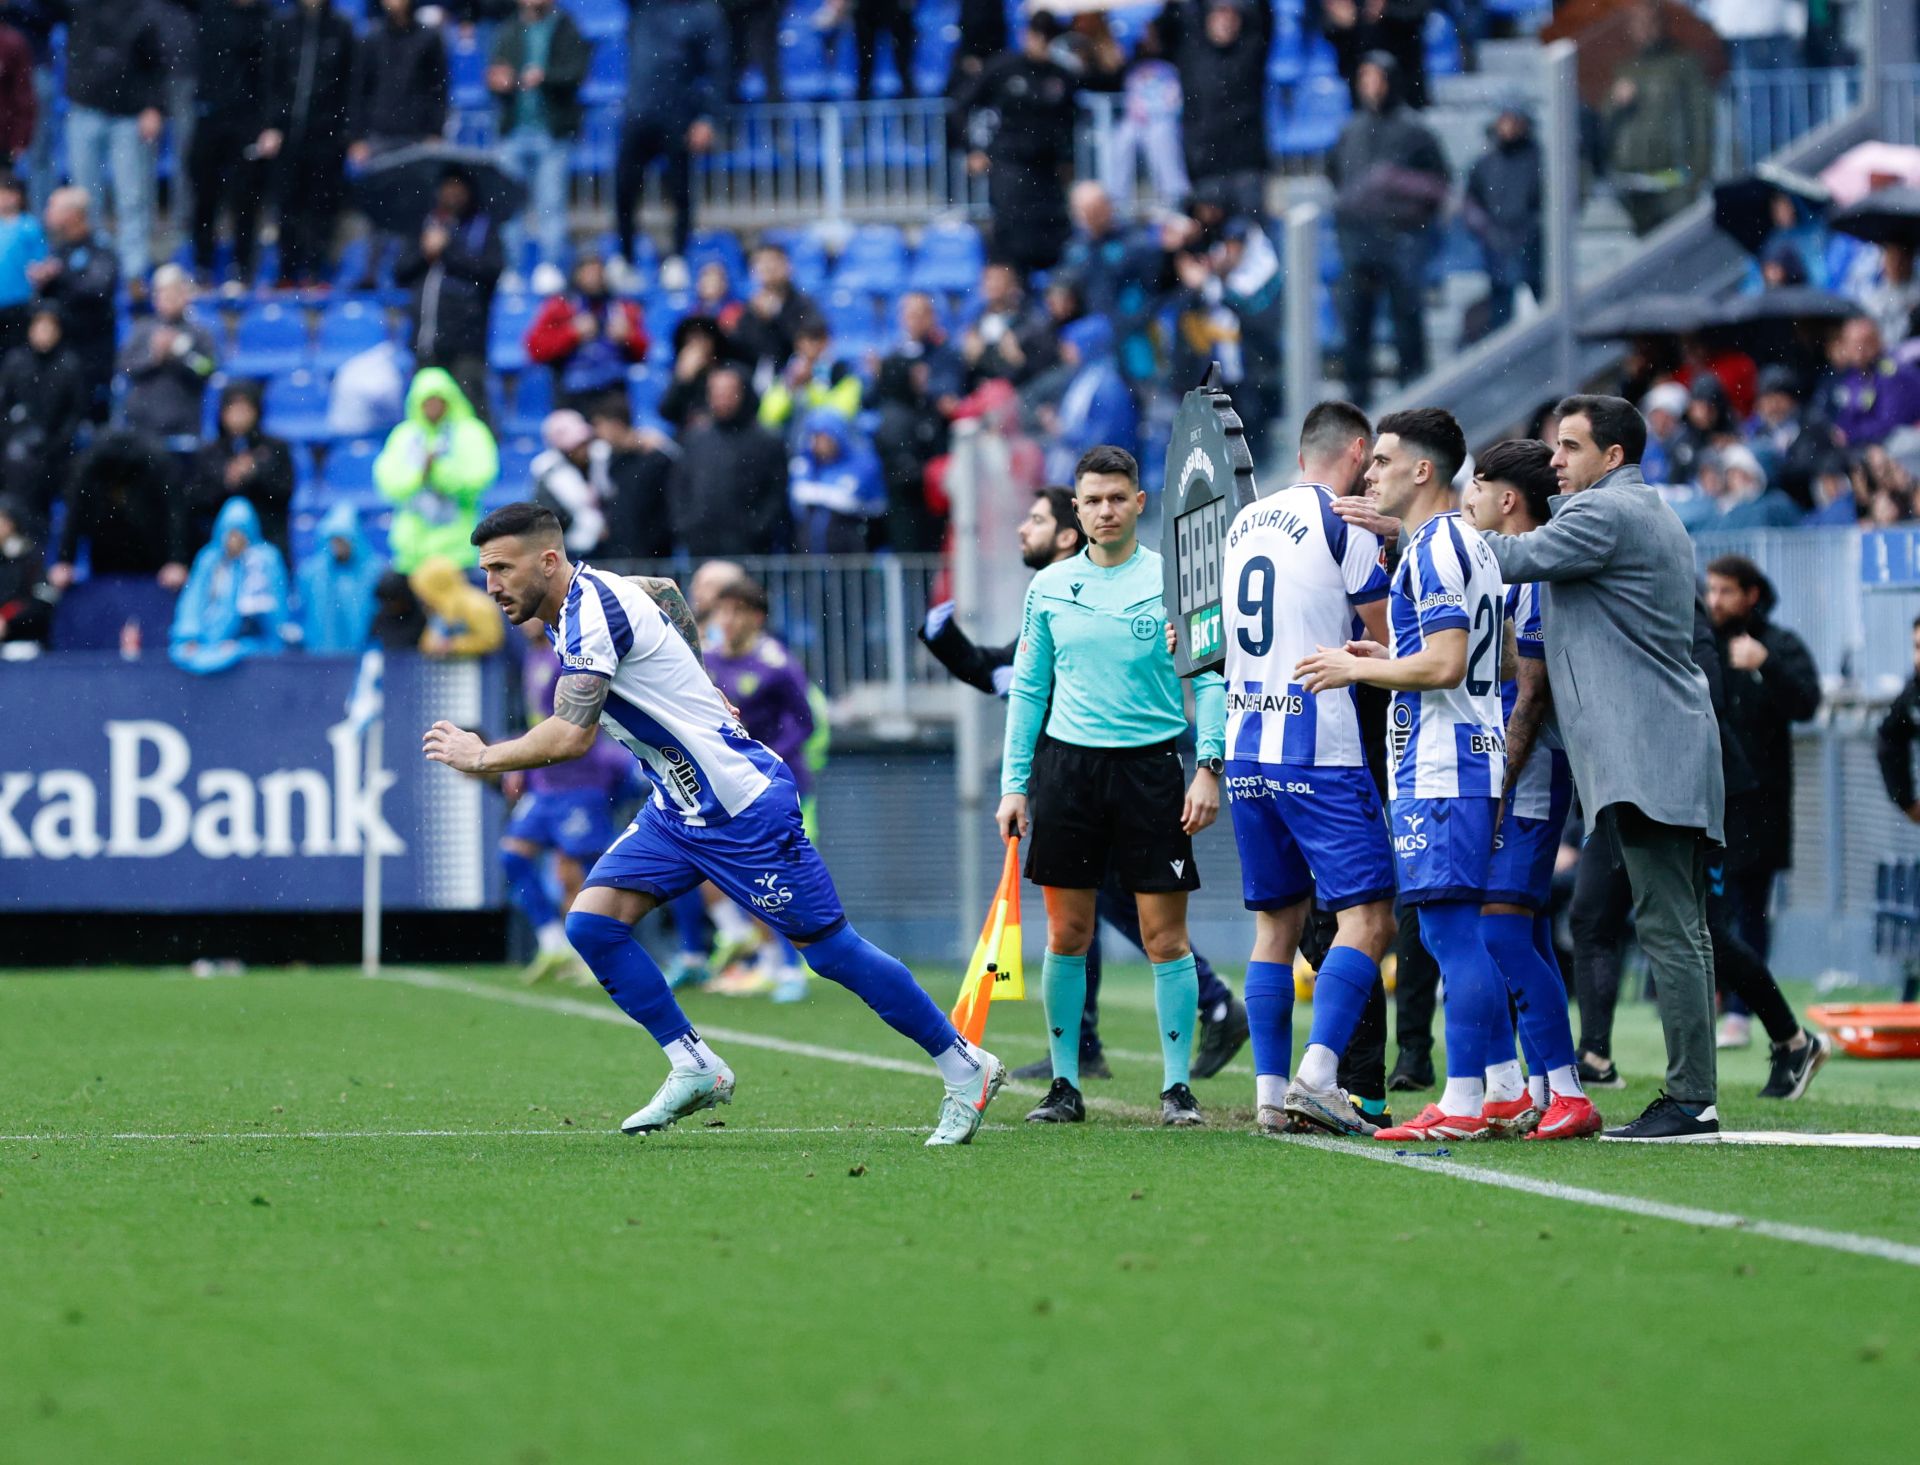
[[1547, 773], [1448, 744], [1293, 572], [661, 706]]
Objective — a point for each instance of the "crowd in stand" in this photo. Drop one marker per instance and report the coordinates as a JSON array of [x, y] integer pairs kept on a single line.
[[715, 401]]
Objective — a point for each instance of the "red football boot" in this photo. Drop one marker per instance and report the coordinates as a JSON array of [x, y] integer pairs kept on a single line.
[[1431, 1123], [1511, 1118], [1569, 1116]]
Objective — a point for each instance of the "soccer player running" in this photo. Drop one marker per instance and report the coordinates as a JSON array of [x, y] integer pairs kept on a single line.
[[1093, 666], [1509, 494], [1306, 813], [1446, 744], [724, 809]]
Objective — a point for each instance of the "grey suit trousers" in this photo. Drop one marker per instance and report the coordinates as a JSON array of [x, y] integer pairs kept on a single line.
[[1667, 867]]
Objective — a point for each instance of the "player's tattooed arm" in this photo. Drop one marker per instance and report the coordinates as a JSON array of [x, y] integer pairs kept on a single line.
[[667, 596], [578, 699], [1530, 708]]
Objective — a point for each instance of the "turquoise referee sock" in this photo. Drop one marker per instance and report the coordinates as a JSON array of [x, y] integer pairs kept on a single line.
[[1063, 988], [1176, 998]]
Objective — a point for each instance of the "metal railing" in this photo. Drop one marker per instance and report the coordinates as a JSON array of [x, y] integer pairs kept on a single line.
[[1762, 112]]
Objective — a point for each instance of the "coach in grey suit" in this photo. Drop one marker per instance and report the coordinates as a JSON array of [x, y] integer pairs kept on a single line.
[[1636, 719]]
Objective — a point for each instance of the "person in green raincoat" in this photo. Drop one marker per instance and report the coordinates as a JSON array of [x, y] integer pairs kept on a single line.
[[434, 469]]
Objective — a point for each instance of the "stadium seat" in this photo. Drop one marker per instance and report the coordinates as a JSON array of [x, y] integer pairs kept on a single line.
[[855, 325], [665, 310], [950, 260], [717, 244], [467, 72], [1321, 105], [507, 335], [348, 471], [346, 330], [1443, 46], [269, 340], [875, 260], [532, 401], [607, 73], [1287, 56], [600, 20], [516, 461], [1322, 59], [295, 407], [646, 385], [808, 252]]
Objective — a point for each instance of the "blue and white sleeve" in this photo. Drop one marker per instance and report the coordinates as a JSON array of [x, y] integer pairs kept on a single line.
[[1360, 567], [584, 639], [1441, 575], [1529, 636]]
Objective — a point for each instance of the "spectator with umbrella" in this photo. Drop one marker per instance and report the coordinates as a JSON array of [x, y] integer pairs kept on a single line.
[[1773, 208], [453, 268]]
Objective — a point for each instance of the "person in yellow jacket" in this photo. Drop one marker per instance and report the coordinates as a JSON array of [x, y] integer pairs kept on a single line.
[[810, 381], [433, 470], [462, 619]]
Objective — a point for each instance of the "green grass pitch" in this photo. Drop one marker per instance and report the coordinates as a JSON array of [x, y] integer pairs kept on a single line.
[[463, 1263]]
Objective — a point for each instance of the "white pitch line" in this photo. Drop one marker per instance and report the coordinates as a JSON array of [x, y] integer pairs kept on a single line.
[[1873, 1246], [186, 1137]]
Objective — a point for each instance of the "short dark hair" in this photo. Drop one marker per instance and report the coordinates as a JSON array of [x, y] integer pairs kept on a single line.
[[1433, 430], [744, 592], [1106, 458], [1615, 422], [522, 521], [1065, 515], [1332, 425], [1739, 569], [1527, 464]]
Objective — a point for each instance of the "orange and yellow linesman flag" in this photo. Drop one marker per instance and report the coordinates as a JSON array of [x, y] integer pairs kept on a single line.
[[995, 974]]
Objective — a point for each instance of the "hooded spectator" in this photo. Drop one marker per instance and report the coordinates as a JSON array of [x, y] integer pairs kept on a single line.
[[1391, 182], [588, 339], [1782, 266], [1659, 123], [1097, 406], [336, 582], [570, 478], [536, 69], [811, 379], [116, 93], [26, 599], [310, 111], [80, 279], [43, 401], [1504, 210], [836, 487], [166, 362], [235, 602], [124, 507], [23, 242], [727, 494], [1358, 29], [453, 269], [462, 619], [1220, 48], [1709, 425], [241, 459], [1871, 396], [1797, 227], [399, 621], [434, 468], [1795, 444]]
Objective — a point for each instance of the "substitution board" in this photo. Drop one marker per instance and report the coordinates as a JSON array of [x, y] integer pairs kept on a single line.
[[1209, 479]]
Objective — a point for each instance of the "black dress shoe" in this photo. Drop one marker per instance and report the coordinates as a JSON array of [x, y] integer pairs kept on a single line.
[[1667, 1121], [1412, 1071]]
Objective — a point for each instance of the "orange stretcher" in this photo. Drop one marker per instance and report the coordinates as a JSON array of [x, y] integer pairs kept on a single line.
[[1873, 1029]]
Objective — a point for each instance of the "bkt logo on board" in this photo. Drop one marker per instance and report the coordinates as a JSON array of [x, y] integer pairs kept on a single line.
[[154, 802]]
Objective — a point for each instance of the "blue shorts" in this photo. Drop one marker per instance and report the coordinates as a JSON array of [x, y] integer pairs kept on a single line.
[[1305, 831], [760, 859], [1443, 848], [576, 822], [1524, 854]]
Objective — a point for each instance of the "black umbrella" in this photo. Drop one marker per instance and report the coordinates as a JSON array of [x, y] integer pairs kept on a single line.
[[1645, 315], [396, 190], [1744, 206], [1769, 326], [1885, 216]]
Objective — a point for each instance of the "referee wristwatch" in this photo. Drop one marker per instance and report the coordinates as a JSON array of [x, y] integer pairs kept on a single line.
[[1215, 766]]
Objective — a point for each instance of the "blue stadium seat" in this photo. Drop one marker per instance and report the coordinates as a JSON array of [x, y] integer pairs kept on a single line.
[[646, 385], [600, 19], [875, 260], [1322, 59], [939, 39], [467, 72], [295, 407], [607, 73], [532, 401], [348, 471], [665, 310], [717, 244], [346, 330], [1287, 56], [950, 260], [507, 334], [516, 459], [269, 339], [856, 326], [1443, 46], [1320, 108], [808, 252]]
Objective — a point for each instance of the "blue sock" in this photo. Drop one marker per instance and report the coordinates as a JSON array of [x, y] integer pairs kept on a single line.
[[1269, 1002], [1340, 992], [528, 889], [885, 985], [1176, 1001], [690, 922], [1475, 993], [633, 981], [1063, 991], [1537, 990]]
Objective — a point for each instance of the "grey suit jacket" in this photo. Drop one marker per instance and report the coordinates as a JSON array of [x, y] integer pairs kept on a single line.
[[1632, 708]]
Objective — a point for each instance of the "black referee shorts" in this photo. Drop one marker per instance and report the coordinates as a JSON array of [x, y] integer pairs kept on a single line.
[[1096, 811]]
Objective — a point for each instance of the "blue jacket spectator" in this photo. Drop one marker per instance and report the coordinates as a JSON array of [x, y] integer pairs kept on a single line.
[[235, 602], [835, 485], [336, 584], [22, 242], [1097, 406]]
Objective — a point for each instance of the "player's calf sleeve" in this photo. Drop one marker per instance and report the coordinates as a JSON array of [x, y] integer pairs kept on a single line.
[[528, 890], [1452, 932], [1538, 992], [631, 977], [884, 984], [1340, 991], [1063, 992], [1176, 1000], [1270, 1016]]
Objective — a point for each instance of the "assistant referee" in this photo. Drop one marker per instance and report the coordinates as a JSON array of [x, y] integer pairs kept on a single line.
[[1093, 667]]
